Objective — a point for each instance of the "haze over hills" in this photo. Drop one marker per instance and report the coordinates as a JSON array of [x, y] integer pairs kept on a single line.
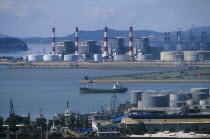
[[98, 35]]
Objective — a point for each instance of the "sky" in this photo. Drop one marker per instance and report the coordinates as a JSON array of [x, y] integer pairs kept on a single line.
[[35, 18]]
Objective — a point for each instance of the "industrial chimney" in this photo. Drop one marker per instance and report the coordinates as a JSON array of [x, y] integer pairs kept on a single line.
[[131, 41], [76, 41], [106, 54], [53, 41]]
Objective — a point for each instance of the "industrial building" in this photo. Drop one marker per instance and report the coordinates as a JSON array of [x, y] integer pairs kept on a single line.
[[65, 47], [117, 46], [142, 45], [87, 47], [170, 125]]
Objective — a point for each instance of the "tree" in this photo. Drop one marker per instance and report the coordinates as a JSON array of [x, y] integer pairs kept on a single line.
[[140, 129], [41, 122], [71, 122], [1, 122]]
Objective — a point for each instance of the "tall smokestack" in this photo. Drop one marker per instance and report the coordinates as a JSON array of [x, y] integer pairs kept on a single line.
[[106, 54], [131, 41], [76, 41], [53, 41]]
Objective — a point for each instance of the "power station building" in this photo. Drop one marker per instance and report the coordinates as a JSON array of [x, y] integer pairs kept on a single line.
[[88, 47], [65, 47], [117, 45], [142, 45]]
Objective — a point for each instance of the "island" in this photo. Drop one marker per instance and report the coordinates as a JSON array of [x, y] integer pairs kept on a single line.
[[12, 44]]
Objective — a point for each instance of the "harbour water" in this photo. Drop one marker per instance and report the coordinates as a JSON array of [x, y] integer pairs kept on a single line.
[[31, 89]]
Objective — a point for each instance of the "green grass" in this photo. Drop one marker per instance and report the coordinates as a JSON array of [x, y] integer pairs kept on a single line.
[[186, 75]]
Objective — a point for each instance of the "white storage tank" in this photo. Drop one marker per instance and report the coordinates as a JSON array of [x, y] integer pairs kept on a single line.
[[71, 57], [179, 97], [36, 57], [80, 57], [144, 57], [199, 96], [25, 58], [154, 101], [171, 55], [190, 56], [204, 55], [140, 104], [97, 57], [51, 57], [121, 58], [135, 97]]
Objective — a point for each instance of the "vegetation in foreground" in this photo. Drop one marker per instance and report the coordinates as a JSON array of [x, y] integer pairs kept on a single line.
[[198, 74]]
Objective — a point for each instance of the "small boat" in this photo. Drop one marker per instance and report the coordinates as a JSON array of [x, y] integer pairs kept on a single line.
[[117, 88]]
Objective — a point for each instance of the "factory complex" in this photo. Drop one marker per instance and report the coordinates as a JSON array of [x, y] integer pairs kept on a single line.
[[116, 49]]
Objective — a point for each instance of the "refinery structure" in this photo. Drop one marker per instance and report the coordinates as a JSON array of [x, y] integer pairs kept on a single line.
[[137, 49]]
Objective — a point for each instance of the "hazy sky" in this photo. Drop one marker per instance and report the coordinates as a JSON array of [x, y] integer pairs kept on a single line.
[[28, 18]]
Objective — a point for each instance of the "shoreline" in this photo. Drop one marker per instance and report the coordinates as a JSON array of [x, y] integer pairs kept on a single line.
[[146, 81], [100, 65]]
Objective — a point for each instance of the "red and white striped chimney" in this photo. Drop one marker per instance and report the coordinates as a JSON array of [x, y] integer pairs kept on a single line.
[[131, 41], [106, 54], [53, 41], [76, 41]]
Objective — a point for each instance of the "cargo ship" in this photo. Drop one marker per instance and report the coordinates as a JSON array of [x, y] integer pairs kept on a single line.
[[117, 88]]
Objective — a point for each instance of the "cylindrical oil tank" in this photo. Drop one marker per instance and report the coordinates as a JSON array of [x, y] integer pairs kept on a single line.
[[51, 57], [25, 58], [176, 103], [190, 56], [199, 96], [135, 97], [121, 58], [144, 57], [204, 55], [190, 102], [97, 57], [167, 94], [140, 104], [154, 101], [71, 57], [179, 57], [197, 90], [80, 57], [171, 55], [35, 57], [177, 97], [204, 102]]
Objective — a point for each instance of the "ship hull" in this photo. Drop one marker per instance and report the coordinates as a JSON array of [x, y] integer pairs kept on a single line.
[[94, 90]]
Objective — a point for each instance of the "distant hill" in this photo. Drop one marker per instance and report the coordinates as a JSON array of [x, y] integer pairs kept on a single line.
[[4, 36], [98, 35], [94, 35], [12, 44]]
